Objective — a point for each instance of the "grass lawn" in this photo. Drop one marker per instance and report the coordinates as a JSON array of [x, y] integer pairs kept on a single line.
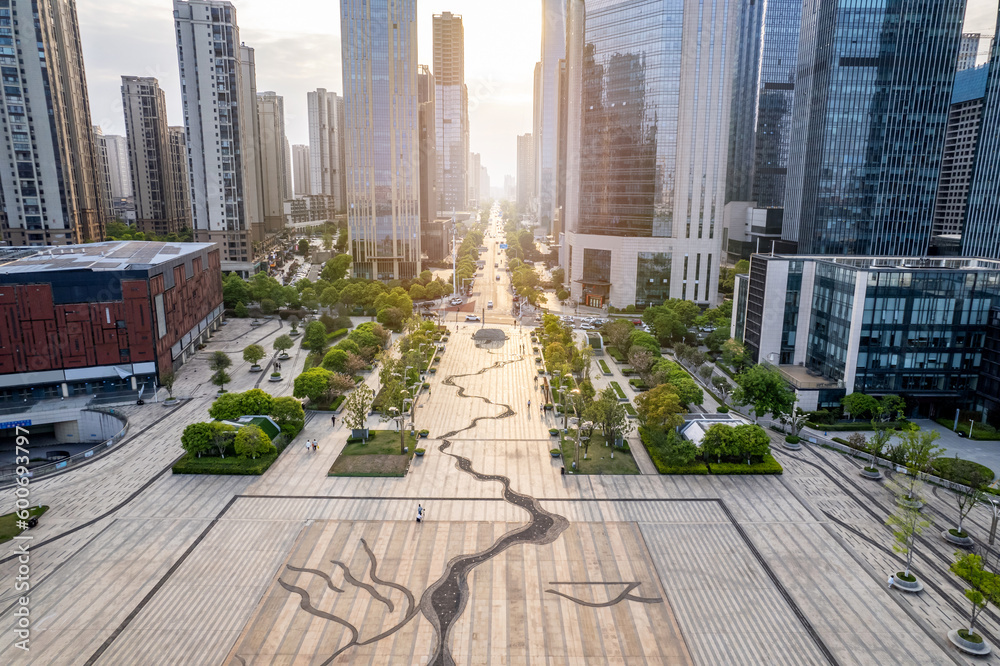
[[8, 523], [599, 460], [378, 456]]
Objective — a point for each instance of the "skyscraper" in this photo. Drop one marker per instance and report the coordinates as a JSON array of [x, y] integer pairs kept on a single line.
[[300, 161], [647, 130], [104, 173], [379, 56], [475, 167], [547, 127], [484, 186], [50, 182], [871, 106], [968, 50], [253, 173], [289, 186], [121, 176], [525, 173], [220, 120], [326, 146], [156, 209], [271, 116], [981, 232], [451, 106], [181, 178], [428, 147]]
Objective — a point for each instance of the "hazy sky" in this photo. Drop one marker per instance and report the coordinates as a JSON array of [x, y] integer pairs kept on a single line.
[[297, 49]]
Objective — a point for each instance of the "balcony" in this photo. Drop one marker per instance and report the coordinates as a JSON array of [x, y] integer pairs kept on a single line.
[[804, 379]]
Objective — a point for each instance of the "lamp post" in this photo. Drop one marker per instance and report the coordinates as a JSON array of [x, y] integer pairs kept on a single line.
[[972, 424], [576, 455]]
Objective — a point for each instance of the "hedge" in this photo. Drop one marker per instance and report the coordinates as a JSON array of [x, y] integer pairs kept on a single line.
[[618, 390], [944, 468], [616, 354], [768, 466], [629, 409], [604, 366], [638, 384], [852, 427], [233, 465], [336, 335], [628, 372]]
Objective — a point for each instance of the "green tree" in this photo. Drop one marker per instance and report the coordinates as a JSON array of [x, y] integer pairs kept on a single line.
[[315, 337], [660, 406], [253, 354], [418, 292], [357, 407], [252, 442], [860, 405], [618, 333], [287, 412], [329, 297], [241, 311], [875, 445], [227, 407], [268, 306], [609, 415], [751, 441], [722, 387], [222, 436], [919, 453], [198, 439], [255, 402], [312, 384], [391, 318], [309, 299], [282, 343], [984, 585], [339, 384], [336, 268], [235, 290], [719, 442], [645, 340], [219, 363], [167, 380], [765, 389], [335, 360], [892, 407], [907, 524]]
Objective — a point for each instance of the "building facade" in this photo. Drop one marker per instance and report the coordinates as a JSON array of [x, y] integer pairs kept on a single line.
[[547, 134], [878, 325], [451, 108], [427, 127], [50, 184], [475, 171], [327, 171], [157, 209], [981, 231], [271, 116], [647, 127], [220, 121], [121, 175], [525, 173], [381, 117], [872, 96], [968, 50], [181, 176], [301, 167], [104, 173], [103, 317]]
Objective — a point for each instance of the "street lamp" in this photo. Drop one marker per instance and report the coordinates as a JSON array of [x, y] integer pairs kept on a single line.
[[576, 456]]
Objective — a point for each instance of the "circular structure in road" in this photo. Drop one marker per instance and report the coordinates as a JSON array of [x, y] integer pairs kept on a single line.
[[489, 335]]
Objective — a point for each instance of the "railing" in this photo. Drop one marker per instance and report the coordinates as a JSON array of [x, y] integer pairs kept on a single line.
[[8, 472]]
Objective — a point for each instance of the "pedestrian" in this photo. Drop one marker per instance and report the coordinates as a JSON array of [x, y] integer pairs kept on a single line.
[[529, 403], [333, 420], [308, 445], [420, 513]]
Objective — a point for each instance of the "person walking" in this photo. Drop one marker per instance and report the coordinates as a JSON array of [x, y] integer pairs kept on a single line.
[[308, 445], [333, 421], [420, 513]]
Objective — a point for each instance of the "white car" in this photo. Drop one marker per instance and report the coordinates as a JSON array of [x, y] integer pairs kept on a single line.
[[587, 327], [456, 301], [471, 318], [489, 304]]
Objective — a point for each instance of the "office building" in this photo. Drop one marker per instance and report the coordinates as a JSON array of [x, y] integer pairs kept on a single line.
[[301, 163], [382, 141], [220, 120], [271, 116], [909, 326], [509, 187], [103, 317], [484, 186], [103, 173], [451, 108], [326, 145], [289, 186], [646, 154], [156, 207], [988, 386], [51, 181], [181, 177], [961, 139], [525, 173], [981, 231], [869, 125], [118, 166], [553, 52], [968, 50], [427, 128], [475, 170]]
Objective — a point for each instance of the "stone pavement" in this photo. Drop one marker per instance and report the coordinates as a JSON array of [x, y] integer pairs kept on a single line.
[[514, 562]]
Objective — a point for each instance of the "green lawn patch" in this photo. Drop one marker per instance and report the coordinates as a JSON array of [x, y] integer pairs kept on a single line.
[[230, 465], [616, 354], [982, 432], [8, 523], [604, 366], [767, 466], [377, 456], [336, 335], [618, 390], [629, 409], [957, 469], [638, 384], [599, 460]]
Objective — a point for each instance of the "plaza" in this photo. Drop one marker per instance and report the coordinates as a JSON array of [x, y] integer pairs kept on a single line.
[[513, 563]]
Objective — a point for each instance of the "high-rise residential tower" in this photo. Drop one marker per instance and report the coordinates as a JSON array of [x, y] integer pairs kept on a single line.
[[547, 127], [428, 147], [872, 96], [253, 173], [326, 146], [647, 132], [50, 184], [300, 162], [181, 178], [451, 106], [121, 176], [104, 173], [289, 186], [271, 117], [157, 210], [475, 167], [968, 50], [220, 117], [525, 173], [379, 56]]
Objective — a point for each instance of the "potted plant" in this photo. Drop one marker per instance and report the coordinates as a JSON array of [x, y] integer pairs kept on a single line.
[[423, 433], [294, 321], [419, 452], [252, 355], [427, 385], [553, 431], [281, 345], [275, 377], [971, 493], [541, 371], [907, 524], [167, 380], [984, 589], [555, 453]]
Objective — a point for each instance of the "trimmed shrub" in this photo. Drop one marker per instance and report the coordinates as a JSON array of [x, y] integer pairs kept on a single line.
[[768, 466]]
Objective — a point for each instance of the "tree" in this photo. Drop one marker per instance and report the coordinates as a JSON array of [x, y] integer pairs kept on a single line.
[[618, 334], [287, 411], [303, 247], [907, 524], [418, 292], [282, 343], [312, 384], [875, 445], [235, 290], [327, 241], [644, 339], [357, 407], [315, 337], [252, 442], [227, 407], [660, 406], [255, 402], [980, 572], [167, 379], [719, 443], [329, 297], [641, 359], [218, 363], [198, 438], [722, 387], [795, 420], [339, 384], [892, 407], [919, 452], [335, 360], [765, 389], [354, 364], [750, 441], [705, 371], [975, 481], [391, 318], [336, 268], [222, 436], [253, 354], [241, 311], [309, 299], [860, 405], [609, 415], [734, 354]]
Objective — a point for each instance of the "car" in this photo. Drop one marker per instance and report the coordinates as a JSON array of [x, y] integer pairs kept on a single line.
[[496, 265], [636, 322], [456, 301], [471, 317], [498, 278], [489, 304], [587, 327]]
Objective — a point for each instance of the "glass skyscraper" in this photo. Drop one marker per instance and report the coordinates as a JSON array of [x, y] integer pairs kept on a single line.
[[379, 55], [981, 233], [872, 95], [547, 131]]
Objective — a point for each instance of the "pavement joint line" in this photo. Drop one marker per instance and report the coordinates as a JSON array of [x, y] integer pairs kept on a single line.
[[156, 588]]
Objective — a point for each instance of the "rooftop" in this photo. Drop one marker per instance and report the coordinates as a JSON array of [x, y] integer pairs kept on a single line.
[[895, 263], [106, 256]]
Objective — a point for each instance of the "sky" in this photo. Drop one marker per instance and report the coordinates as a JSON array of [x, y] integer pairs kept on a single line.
[[297, 49]]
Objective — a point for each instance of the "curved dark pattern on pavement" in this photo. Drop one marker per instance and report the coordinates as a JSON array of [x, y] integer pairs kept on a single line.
[[443, 602], [621, 597], [316, 572]]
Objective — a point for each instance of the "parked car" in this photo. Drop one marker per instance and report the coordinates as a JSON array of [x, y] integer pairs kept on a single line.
[[471, 318], [456, 301]]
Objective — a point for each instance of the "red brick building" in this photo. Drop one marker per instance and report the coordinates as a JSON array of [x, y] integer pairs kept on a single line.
[[103, 317]]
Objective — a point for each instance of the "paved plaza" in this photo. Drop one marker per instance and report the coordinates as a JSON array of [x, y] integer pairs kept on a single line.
[[514, 563]]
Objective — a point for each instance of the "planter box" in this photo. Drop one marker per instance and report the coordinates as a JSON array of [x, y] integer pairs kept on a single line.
[[968, 646], [256, 368], [171, 402], [274, 379], [965, 541], [874, 476], [905, 586], [792, 447], [283, 356]]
